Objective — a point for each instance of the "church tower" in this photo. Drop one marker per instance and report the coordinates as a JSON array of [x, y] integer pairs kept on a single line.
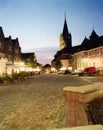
[[65, 37]]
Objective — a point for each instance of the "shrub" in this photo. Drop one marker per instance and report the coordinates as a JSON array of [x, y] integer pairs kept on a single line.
[[8, 78], [15, 76]]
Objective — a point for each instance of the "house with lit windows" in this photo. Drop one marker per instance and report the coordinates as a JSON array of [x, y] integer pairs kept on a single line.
[[10, 54], [90, 53]]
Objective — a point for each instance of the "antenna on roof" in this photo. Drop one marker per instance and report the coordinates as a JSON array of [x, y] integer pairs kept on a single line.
[[93, 28]]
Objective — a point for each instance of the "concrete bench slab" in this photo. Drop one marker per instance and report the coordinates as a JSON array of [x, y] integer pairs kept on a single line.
[[85, 93], [91, 127], [77, 98]]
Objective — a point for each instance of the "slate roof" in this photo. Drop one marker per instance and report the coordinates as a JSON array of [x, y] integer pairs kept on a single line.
[[87, 44], [65, 29], [65, 56], [25, 56]]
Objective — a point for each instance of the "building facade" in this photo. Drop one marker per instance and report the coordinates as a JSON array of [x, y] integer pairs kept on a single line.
[[90, 53], [92, 57], [2, 43], [10, 54]]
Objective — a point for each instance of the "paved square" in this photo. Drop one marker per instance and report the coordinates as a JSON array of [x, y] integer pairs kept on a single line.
[[36, 103]]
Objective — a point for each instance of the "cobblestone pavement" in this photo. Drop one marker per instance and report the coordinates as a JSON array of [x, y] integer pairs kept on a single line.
[[36, 103]]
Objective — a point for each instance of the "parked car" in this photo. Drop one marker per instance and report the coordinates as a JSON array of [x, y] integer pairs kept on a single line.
[[75, 72], [88, 71], [61, 72], [64, 72]]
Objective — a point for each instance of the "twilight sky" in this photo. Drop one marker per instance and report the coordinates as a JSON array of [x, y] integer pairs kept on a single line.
[[38, 23]]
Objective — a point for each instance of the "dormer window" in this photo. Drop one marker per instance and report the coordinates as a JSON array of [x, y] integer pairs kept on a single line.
[[1, 45], [16, 51], [10, 49]]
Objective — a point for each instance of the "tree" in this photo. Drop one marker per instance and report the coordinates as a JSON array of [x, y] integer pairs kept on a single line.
[[72, 62], [31, 62], [58, 64]]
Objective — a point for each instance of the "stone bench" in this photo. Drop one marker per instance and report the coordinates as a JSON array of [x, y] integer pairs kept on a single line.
[[76, 98], [92, 127]]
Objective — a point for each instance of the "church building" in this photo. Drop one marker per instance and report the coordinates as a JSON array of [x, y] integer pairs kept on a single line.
[[65, 48]]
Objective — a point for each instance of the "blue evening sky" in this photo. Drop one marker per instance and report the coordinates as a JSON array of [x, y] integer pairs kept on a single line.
[[38, 23]]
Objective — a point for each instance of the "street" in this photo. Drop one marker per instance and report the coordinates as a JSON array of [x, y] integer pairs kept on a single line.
[[37, 103]]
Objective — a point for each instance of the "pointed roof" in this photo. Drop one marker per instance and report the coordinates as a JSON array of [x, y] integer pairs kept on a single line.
[[85, 44], [85, 41], [65, 28], [1, 33], [25, 56], [93, 35]]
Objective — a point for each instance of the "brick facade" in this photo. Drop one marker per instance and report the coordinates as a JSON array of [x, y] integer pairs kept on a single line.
[[10, 50], [9, 47], [2, 42], [16, 50]]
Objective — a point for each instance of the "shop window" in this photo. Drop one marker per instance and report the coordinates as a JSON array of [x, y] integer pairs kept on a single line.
[[97, 52], [93, 63]]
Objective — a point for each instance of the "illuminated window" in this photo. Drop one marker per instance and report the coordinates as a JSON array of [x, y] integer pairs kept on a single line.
[[89, 54], [93, 63], [97, 52], [102, 51], [16, 51], [93, 53], [10, 49]]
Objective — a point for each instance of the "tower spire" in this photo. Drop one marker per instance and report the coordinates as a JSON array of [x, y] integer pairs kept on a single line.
[[65, 28], [65, 15], [65, 37]]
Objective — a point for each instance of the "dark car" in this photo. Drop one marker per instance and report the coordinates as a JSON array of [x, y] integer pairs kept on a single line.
[[88, 71], [64, 72]]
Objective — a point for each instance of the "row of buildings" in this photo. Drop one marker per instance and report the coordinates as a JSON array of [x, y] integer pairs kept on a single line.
[[76, 58], [11, 58], [88, 53]]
